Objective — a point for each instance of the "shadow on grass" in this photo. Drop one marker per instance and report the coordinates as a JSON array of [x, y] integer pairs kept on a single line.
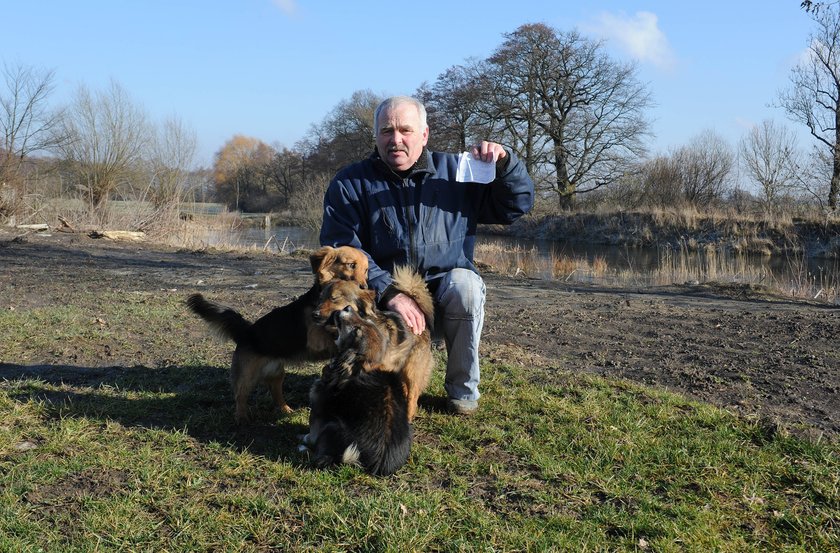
[[193, 399]]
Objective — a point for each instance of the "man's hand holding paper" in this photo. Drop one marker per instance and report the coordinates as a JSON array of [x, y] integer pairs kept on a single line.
[[479, 163]]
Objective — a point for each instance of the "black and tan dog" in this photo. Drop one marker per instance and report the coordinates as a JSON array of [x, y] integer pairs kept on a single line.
[[405, 353], [285, 334], [359, 410]]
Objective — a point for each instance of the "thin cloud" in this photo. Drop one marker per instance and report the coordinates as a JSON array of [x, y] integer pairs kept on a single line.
[[289, 7], [638, 35]]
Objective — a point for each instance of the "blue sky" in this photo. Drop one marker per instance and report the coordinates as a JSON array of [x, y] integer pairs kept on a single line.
[[271, 68]]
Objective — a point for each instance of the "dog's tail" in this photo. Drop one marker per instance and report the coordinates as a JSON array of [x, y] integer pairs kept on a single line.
[[224, 321], [411, 283]]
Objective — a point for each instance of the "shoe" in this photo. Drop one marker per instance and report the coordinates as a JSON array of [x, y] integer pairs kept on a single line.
[[462, 406]]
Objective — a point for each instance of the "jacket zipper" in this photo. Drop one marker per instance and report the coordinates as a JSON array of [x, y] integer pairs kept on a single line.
[[412, 255]]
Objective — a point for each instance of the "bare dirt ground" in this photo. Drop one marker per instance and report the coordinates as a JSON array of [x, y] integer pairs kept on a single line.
[[738, 347]]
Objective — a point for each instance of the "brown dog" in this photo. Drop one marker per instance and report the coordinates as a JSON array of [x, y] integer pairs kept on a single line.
[[284, 334], [406, 353]]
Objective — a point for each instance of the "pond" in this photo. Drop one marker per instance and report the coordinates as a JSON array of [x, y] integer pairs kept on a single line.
[[799, 276]]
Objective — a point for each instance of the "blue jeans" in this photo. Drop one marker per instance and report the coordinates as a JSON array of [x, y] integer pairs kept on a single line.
[[459, 318]]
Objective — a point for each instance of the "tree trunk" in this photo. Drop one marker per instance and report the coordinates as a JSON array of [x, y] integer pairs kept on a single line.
[[834, 187], [565, 188], [565, 191], [566, 202]]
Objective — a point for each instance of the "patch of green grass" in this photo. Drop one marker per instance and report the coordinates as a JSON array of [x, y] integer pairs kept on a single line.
[[136, 449]]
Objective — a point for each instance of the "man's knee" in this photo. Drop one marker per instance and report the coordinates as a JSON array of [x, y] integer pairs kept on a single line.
[[462, 293]]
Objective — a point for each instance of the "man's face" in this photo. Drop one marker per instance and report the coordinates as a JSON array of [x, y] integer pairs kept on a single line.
[[399, 136]]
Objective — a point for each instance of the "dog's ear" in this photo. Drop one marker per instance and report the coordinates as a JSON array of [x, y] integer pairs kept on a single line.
[[316, 259], [325, 270], [366, 302]]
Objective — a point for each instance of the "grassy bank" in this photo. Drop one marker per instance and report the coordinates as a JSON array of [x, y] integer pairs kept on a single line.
[[102, 454]]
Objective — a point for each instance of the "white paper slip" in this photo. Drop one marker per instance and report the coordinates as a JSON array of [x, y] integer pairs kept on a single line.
[[471, 169]]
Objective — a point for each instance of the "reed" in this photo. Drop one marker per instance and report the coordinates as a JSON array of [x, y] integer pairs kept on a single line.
[[689, 262], [511, 260], [579, 268], [223, 235], [518, 260], [824, 284]]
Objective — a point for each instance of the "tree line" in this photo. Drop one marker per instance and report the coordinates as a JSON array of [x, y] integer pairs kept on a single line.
[[575, 116], [578, 119]]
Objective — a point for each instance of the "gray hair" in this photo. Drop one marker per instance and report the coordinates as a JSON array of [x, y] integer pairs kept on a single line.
[[395, 101]]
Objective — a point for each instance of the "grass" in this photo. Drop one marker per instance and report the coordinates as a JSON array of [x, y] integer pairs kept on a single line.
[[127, 443]]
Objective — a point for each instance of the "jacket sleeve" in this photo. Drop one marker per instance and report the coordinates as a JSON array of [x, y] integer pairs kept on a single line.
[[342, 226], [509, 196]]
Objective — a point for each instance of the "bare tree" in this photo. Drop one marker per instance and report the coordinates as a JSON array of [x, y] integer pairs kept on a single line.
[[455, 106], [512, 85], [171, 156], [655, 183], [815, 7], [703, 168], [307, 199], [814, 98], [585, 111], [345, 135], [286, 170], [813, 178], [770, 159], [107, 138], [27, 126]]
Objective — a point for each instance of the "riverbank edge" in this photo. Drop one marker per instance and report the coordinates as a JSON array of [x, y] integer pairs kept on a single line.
[[679, 231]]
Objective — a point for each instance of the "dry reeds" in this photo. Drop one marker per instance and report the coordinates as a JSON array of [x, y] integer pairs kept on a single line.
[[518, 260], [801, 282], [580, 268], [510, 260], [689, 263]]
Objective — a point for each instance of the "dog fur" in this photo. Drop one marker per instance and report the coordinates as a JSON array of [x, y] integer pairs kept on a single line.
[[405, 353], [285, 334], [359, 411]]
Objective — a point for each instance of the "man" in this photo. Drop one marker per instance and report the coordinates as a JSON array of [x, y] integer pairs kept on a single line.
[[404, 206]]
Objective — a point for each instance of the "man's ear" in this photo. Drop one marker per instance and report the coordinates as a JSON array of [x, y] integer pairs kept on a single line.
[[426, 135]]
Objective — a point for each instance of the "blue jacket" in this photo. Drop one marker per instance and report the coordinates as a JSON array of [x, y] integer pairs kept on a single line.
[[425, 219]]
